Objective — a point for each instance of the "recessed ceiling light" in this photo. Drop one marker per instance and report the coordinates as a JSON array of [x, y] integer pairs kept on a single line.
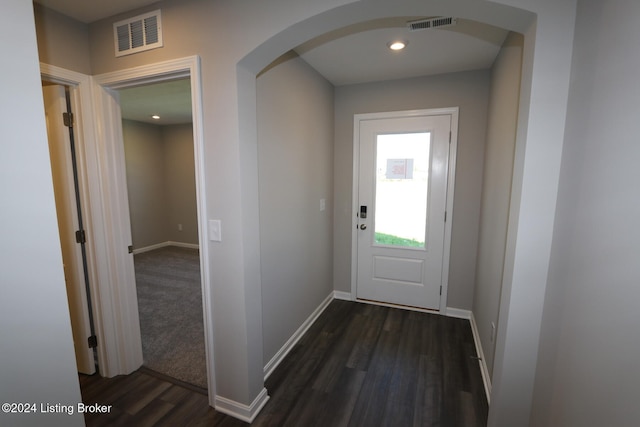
[[397, 45], [155, 117]]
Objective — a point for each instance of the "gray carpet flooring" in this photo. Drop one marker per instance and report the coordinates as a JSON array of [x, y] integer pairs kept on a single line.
[[170, 307]]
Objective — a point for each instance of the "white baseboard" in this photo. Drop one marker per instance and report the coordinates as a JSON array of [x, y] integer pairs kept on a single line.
[[242, 411], [484, 369], [345, 296], [457, 312], [163, 245], [184, 245], [291, 342], [150, 248]]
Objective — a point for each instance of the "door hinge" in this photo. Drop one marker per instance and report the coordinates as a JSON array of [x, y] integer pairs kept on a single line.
[[449, 137], [440, 289], [445, 216], [81, 237], [67, 119], [92, 341]]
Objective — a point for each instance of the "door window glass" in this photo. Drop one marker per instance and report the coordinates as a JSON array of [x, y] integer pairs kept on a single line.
[[401, 189]]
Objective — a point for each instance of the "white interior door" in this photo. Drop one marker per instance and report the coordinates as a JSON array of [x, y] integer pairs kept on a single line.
[[402, 198], [68, 224]]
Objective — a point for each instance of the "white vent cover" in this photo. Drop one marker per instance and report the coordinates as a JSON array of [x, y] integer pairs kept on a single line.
[[137, 34], [424, 24]]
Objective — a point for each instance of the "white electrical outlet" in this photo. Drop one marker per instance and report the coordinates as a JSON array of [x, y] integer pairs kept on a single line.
[[215, 230], [179, 227], [323, 205]]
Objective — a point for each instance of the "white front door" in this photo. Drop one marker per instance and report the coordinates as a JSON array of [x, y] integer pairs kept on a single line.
[[402, 199], [68, 223]]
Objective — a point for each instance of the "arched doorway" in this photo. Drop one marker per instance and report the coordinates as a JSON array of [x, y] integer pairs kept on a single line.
[[302, 31]]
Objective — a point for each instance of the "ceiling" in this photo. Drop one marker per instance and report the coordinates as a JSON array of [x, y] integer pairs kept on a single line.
[[354, 54], [170, 100], [88, 11], [359, 53]]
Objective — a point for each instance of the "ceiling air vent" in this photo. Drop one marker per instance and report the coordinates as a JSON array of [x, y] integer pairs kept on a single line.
[[137, 34], [425, 24]]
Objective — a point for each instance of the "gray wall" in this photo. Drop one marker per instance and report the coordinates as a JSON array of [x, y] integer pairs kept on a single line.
[[145, 183], [295, 164], [161, 183], [37, 361], [180, 183], [62, 41], [496, 189], [467, 90], [590, 340]]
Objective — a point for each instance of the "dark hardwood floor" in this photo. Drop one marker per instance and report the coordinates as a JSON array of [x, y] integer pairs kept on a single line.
[[358, 365]]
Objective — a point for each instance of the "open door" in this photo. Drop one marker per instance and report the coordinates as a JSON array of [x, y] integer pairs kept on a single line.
[[63, 168]]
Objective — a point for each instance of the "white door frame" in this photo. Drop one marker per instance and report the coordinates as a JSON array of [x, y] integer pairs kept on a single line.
[[451, 173], [117, 352], [108, 118], [67, 190], [82, 104], [105, 206]]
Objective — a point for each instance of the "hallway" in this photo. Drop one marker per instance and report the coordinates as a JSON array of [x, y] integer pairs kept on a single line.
[[358, 365]]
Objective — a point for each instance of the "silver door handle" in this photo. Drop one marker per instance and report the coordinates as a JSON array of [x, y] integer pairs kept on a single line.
[[363, 226]]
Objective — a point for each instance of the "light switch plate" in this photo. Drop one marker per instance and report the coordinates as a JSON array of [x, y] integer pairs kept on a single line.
[[215, 230]]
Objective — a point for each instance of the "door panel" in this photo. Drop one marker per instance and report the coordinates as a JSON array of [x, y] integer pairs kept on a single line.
[[402, 193], [64, 191]]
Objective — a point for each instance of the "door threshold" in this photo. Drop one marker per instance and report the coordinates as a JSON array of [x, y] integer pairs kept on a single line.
[[172, 380], [400, 306]]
